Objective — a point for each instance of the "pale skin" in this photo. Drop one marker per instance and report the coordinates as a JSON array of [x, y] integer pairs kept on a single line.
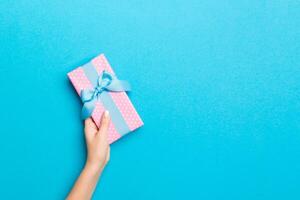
[[98, 153]]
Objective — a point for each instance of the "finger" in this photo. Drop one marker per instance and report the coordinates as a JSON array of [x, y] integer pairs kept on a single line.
[[104, 124], [90, 128], [108, 155], [89, 123]]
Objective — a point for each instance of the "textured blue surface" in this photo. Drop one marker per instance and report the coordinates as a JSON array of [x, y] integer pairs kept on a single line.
[[217, 84]]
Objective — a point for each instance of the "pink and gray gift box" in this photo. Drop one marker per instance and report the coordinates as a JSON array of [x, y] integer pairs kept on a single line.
[[124, 117]]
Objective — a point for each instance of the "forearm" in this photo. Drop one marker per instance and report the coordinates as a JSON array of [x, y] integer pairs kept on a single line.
[[86, 183]]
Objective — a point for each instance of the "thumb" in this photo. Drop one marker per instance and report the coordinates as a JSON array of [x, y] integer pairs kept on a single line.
[[104, 124]]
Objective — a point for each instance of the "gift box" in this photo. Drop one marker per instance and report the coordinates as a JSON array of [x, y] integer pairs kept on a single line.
[[100, 90]]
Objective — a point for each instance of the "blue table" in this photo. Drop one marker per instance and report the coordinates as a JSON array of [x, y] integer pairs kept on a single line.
[[217, 84]]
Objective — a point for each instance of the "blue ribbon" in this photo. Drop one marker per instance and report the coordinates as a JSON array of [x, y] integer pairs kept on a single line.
[[106, 82]]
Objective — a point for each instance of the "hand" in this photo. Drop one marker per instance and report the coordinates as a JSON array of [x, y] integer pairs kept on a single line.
[[97, 142], [98, 156]]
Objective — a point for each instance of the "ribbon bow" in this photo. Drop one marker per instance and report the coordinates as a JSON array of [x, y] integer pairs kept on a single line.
[[106, 83]]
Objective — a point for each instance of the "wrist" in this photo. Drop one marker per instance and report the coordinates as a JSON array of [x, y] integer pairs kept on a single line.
[[93, 166]]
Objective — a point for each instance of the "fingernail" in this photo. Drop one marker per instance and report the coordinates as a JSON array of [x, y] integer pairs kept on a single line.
[[106, 114]]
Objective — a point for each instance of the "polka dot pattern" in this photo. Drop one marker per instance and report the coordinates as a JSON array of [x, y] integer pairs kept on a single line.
[[80, 82], [121, 99], [101, 64]]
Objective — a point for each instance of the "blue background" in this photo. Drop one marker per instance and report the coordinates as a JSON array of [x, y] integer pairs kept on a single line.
[[216, 83]]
